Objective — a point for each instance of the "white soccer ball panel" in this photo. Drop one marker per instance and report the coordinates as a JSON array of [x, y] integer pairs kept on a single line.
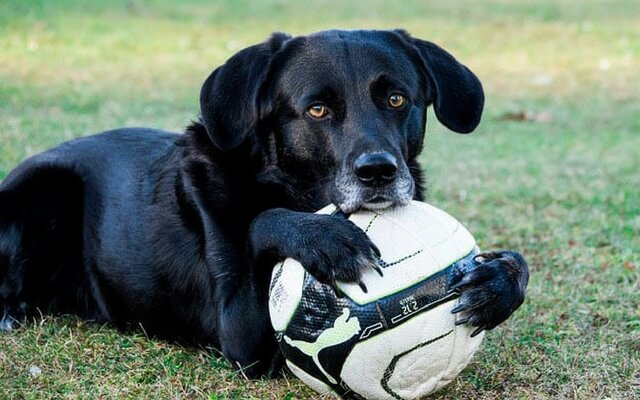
[[330, 209], [287, 282], [393, 239], [464, 347], [322, 388], [364, 368], [419, 373], [411, 367]]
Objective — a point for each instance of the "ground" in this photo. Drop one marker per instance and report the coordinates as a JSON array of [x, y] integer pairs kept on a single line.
[[552, 171]]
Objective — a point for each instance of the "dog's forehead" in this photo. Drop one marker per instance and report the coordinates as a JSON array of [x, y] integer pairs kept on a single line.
[[343, 57]]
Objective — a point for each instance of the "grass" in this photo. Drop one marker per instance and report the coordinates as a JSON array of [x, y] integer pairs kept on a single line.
[[564, 190]]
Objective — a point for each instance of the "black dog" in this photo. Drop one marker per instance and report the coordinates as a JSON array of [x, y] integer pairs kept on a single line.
[[179, 233]]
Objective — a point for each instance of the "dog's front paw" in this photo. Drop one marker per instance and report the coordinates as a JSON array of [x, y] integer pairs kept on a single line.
[[492, 290], [329, 247], [335, 249]]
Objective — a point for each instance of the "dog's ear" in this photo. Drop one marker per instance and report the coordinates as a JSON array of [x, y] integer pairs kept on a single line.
[[229, 102], [456, 93]]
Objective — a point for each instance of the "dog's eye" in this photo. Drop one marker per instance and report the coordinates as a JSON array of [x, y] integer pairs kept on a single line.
[[396, 100], [317, 110]]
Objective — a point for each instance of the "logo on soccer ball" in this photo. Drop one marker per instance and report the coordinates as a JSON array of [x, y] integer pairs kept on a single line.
[[344, 328]]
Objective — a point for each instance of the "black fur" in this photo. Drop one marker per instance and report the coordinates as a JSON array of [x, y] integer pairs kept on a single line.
[[179, 233]]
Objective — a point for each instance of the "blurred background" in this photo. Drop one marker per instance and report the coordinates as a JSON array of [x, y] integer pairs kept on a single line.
[[552, 171]]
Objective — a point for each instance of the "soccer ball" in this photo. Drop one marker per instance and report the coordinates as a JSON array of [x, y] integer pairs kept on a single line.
[[398, 340]]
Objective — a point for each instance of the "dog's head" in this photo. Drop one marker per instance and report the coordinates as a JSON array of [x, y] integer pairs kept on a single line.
[[341, 113]]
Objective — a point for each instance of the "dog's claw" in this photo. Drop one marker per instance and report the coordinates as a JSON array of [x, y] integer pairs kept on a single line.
[[377, 268], [376, 250], [336, 289], [363, 287], [462, 321], [478, 330], [458, 286], [460, 307]]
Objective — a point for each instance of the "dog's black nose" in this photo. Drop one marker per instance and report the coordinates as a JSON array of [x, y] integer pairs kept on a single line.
[[376, 168]]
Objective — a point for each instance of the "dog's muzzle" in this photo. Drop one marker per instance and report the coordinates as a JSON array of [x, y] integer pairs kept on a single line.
[[377, 180]]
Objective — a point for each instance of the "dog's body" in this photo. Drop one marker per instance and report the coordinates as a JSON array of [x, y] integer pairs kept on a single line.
[[178, 233]]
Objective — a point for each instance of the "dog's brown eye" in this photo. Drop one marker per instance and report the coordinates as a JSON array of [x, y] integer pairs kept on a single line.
[[396, 100], [317, 111]]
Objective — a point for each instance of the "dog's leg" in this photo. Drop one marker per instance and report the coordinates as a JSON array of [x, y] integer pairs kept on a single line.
[[492, 290], [244, 329]]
